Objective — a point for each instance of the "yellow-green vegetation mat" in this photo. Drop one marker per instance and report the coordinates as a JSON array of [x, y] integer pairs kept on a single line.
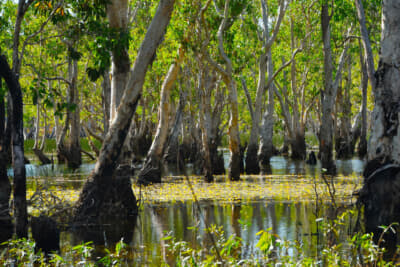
[[288, 188]]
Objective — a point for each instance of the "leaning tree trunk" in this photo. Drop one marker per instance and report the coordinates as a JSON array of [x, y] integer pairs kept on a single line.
[[17, 135], [6, 226], [102, 195], [151, 171]]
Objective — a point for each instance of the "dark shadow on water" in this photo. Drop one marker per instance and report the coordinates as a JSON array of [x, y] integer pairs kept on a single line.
[[105, 234]]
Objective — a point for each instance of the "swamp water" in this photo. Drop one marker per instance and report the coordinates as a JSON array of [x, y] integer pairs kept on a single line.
[[288, 203]]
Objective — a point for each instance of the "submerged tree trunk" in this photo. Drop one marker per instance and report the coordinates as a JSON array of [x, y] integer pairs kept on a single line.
[[19, 185], [151, 171], [103, 195]]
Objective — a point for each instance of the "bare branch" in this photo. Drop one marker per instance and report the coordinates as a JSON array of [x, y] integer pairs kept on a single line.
[[40, 29]]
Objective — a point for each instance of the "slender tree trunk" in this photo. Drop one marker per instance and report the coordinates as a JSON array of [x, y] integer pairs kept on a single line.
[[151, 171], [19, 185], [98, 196]]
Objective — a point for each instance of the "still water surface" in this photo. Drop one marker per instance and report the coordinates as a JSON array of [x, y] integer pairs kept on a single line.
[[291, 220]]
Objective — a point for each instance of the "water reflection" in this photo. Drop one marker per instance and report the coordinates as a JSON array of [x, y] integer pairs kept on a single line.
[[279, 166], [291, 221], [183, 220]]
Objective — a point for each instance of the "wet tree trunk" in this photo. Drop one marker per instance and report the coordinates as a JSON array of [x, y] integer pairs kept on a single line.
[[17, 135], [103, 195], [151, 171], [6, 226]]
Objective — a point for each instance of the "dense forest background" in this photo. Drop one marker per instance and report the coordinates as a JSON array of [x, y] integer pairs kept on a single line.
[[266, 65], [176, 82]]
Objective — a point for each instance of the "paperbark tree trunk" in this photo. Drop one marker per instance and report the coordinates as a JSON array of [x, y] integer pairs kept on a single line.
[[101, 195], [17, 135], [151, 171]]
